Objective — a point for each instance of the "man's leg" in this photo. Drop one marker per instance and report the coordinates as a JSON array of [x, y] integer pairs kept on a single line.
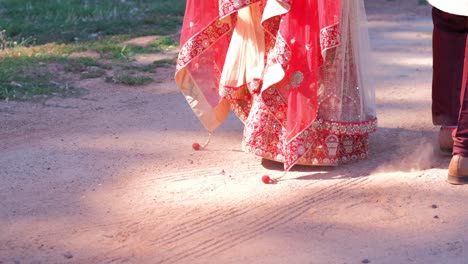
[[458, 168], [449, 41], [460, 144]]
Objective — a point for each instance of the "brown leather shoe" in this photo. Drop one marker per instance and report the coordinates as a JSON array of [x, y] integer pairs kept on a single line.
[[458, 170], [446, 140]]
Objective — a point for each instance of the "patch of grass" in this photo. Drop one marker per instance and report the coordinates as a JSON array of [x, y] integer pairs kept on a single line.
[[92, 72], [33, 85], [141, 68], [113, 48], [163, 43], [165, 62], [41, 51], [37, 34], [84, 20], [29, 90], [79, 65], [32, 77], [117, 50], [130, 79]]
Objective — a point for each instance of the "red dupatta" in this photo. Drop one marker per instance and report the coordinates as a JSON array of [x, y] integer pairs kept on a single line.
[[306, 31]]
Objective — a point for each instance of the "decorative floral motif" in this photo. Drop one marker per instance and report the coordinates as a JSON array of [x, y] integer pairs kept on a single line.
[[227, 7], [296, 79], [324, 143], [240, 99], [195, 46], [281, 53], [330, 37], [332, 142]]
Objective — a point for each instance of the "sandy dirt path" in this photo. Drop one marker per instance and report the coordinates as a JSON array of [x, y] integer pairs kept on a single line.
[[111, 178]]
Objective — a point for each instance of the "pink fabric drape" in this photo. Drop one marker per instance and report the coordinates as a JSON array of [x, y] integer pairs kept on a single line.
[[300, 28]]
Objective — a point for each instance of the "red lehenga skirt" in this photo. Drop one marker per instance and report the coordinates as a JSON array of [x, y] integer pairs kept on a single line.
[[295, 73]]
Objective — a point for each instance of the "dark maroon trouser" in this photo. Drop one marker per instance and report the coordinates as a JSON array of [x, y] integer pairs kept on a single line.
[[449, 100]]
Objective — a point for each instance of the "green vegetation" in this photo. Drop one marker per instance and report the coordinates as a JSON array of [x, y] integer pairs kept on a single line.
[[165, 62], [22, 78], [163, 43], [130, 79], [66, 21], [38, 37]]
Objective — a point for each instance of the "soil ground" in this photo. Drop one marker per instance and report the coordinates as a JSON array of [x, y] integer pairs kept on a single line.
[[110, 177]]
